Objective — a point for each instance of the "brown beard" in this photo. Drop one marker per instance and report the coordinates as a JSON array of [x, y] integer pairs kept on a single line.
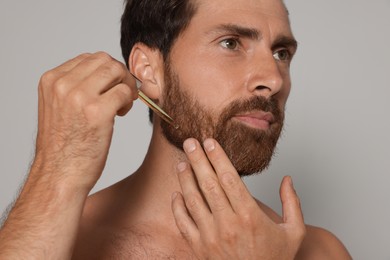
[[249, 149]]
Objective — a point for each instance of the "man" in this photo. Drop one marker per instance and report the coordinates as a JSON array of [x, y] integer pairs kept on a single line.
[[221, 70]]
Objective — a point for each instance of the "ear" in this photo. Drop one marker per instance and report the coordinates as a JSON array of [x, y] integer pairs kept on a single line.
[[147, 65]]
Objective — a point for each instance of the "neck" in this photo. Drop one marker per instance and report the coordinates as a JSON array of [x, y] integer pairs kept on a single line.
[[148, 191]]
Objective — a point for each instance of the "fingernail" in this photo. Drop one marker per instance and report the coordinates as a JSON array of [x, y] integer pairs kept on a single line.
[[182, 166], [209, 145], [189, 145]]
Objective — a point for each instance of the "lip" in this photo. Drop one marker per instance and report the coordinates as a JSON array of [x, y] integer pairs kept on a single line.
[[256, 119]]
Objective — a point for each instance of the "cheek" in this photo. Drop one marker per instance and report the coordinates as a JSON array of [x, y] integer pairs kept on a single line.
[[206, 78]]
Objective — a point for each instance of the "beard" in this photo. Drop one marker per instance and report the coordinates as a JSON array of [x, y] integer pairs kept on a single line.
[[249, 149]]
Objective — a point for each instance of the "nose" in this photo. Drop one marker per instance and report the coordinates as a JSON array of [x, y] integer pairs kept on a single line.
[[266, 78]]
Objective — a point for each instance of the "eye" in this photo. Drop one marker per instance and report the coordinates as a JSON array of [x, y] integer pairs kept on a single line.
[[231, 43], [282, 55]]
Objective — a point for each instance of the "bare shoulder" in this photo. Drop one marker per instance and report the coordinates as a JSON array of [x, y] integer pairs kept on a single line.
[[318, 244], [321, 244]]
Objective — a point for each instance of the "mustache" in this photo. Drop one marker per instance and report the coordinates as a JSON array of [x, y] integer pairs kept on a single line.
[[254, 103]]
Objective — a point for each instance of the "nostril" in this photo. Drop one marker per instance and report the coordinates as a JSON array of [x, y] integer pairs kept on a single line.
[[262, 87]]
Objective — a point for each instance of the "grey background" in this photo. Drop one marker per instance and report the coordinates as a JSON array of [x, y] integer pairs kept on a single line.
[[335, 144]]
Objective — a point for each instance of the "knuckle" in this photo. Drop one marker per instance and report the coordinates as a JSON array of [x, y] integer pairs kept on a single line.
[[210, 185], [186, 176], [103, 56], [47, 79], [83, 56], [228, 235], [192, 203], [247, 220], [113, 69], [228, 181], [60, 88]]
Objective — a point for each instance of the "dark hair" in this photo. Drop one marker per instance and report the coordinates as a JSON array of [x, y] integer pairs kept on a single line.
[[155, 23]]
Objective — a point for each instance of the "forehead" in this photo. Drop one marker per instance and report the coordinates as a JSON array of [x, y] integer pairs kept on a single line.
[[269, 7], [265, 15]]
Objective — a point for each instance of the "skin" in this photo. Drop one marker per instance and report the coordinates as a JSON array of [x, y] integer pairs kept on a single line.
[[224, 75], [160, 211]]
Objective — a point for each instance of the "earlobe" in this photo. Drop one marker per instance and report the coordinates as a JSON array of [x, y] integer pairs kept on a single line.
[[145, 63]]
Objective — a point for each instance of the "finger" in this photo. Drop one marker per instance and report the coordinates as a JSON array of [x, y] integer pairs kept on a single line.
[[72, 63], [206, 177], [94, 73], [192, 196], [50, 77], [184, 222], [234, 188], [123, 111], [64, 79], [117, 101], [194, 201], [108, 75], [292, 213]]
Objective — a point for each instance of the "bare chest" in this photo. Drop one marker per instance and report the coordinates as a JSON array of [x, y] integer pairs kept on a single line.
[[133, 245]]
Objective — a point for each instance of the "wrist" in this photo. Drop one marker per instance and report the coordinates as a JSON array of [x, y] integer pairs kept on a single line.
[[66, 178], [45, 193]]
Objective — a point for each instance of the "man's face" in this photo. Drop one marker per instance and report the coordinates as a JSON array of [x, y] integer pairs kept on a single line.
[[228, 78]]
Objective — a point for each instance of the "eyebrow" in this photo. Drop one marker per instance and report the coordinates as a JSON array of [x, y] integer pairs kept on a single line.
[[252, 33], [286, 42], [234, 29]]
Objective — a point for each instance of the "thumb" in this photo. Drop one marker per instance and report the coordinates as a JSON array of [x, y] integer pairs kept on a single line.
[[292, 212]]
